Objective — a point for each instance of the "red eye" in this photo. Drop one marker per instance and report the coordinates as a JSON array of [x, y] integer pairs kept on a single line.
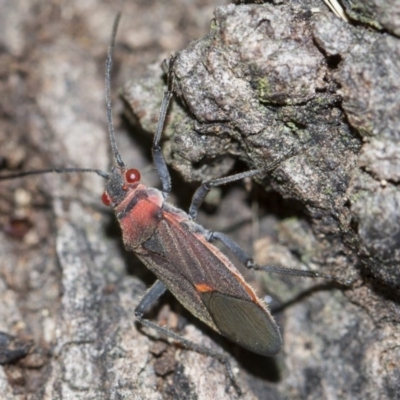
[[106, 199], [132, 175]]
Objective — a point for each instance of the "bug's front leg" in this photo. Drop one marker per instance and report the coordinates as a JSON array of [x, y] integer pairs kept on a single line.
[[158, 158]]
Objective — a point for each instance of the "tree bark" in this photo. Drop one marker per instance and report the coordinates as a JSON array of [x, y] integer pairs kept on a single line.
[[265, 80]]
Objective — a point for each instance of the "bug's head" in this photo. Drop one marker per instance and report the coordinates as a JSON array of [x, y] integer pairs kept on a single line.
[[121, 181]]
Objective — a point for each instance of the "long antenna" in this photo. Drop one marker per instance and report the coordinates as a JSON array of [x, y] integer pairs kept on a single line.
[[110, 123], [117, 156], [56, 170]]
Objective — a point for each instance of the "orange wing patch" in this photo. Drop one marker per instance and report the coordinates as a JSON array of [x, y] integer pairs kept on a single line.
[[203, 287]]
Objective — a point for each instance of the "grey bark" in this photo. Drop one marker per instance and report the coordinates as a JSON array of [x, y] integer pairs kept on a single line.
[[265, 79]]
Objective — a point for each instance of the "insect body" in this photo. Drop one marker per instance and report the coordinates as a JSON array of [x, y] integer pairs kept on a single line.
[[177, 250]]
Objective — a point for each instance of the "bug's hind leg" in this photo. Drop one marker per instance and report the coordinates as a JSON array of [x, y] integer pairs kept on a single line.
[[248, 261], [148, 301]]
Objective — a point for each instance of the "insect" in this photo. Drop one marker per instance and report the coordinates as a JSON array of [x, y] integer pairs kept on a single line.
[[179, 251]]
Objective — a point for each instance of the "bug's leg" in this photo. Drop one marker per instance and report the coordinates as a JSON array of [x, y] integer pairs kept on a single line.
[[148, 301], [205, 187], [158, 158], [201, 193], [248, 261], [150, 298]]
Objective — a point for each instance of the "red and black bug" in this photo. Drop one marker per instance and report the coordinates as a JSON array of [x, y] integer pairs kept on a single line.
[[179, 251]]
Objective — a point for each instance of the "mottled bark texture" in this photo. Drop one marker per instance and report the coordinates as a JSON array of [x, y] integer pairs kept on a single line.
[[380, 14], [265, 80]]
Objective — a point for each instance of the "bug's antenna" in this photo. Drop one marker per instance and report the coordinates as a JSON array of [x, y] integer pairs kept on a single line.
[[110, 123], [111, 132], [54, 170]]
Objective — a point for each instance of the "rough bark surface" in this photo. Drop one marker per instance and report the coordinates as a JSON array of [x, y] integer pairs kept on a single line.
[[263, 79]]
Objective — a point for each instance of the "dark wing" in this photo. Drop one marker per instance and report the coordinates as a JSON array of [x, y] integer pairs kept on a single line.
[[209, 286]]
